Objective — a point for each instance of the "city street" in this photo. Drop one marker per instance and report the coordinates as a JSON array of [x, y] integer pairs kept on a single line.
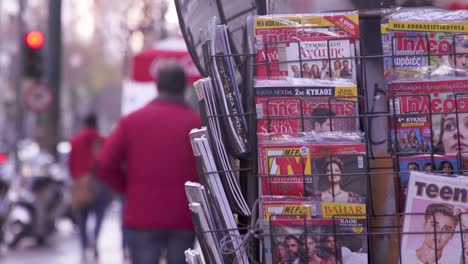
[[64, 246]]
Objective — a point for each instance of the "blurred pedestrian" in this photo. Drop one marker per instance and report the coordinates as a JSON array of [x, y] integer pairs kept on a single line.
[[149, 158], [88, 194]]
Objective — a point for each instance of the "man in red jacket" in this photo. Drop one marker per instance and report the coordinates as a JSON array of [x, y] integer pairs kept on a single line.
[[149, 158]]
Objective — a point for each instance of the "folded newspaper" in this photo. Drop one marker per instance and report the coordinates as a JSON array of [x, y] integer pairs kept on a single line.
[[226, 87], [221, 161]]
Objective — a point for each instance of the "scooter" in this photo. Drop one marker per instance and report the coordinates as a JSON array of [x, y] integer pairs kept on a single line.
[[36, 197]]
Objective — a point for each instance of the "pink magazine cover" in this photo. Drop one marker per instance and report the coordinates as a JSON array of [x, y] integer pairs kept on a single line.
[[415, 105], [289, 109], [314, 46], [420, 42], [435, 211]]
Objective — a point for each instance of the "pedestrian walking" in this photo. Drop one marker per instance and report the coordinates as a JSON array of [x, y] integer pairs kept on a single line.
[[89, 195], [149, 158]]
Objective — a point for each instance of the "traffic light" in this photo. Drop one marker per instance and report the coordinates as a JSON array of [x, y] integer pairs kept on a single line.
[[32, 51]]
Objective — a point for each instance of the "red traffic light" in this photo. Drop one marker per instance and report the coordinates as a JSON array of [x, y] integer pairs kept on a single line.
[[3, 157], [34, 39]]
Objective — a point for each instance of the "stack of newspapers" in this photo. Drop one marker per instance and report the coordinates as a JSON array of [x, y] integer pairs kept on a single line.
[[216, 146]]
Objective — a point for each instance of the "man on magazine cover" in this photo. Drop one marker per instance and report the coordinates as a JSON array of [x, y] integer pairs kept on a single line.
[[321, 118], [440, 218], [294, 248], [325, 70], [346, 72]]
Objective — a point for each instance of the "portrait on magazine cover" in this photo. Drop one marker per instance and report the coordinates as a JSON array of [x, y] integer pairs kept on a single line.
[[411, 140], [298, 242], [342, 179], [452, 136], [323, 69], [440, 239]]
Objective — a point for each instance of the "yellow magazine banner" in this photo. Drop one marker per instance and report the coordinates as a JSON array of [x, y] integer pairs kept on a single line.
[[457, 27], [348, 22], [384, 28], [346, 93], [343, 210], [299, 210]]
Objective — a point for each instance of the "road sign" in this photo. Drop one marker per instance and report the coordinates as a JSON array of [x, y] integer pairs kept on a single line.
[[38, 97]]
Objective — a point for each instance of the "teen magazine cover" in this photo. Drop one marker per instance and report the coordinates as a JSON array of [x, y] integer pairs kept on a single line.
[[435, 213]]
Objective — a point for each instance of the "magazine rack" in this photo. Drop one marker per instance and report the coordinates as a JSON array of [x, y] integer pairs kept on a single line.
[[385, 214]]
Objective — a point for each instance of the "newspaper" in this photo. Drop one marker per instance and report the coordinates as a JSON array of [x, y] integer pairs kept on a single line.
[[228, 97], [222, 162], [226, 225]]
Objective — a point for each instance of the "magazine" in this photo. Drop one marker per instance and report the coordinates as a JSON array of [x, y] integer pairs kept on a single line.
[[290, 109], [301, 239], [289, 168], [446, 165], [423, 112], [317, 46], [419, 43], [435, 213], [340, 178]]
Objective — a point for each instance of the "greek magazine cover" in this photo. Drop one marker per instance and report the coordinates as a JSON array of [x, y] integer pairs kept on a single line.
[[289, 169], [290, 110], [427, 115], [339, 178], [435, 210], [446, 165], [419, 43], [316, 46], [337, 235]]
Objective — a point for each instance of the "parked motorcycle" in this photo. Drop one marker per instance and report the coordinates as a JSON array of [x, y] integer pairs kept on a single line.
[[36, 197]]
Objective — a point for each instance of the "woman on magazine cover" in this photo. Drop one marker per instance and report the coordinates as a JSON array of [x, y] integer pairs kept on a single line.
[[316, 74], [442, 218], [453, 137], [336, 73], [425, 147], [281, 254], [428, 167], [446, 168], [335, 193], [329, 248], [312, 247], [413, 140]]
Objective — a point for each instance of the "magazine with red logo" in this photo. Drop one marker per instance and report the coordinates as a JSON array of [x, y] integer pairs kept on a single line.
[[315, 46]]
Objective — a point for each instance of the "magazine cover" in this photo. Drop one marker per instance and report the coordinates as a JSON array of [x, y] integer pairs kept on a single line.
[[286, 168], [435, 209], [340, 178], [428, 115], [423, 42], [315, 240], [446, 165], [316, 46], [291, 110]]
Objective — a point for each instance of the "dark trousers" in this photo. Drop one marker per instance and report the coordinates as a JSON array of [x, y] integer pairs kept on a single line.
[[98, 209], [146, 245]]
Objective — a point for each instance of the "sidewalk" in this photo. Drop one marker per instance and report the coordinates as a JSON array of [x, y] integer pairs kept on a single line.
[[63, 248]]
